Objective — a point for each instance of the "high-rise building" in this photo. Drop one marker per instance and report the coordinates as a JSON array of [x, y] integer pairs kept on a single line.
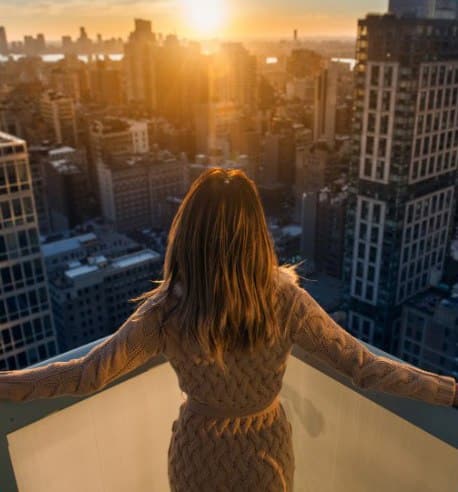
[[106, 84], [431, 9], [213, 123], [67, 188], [67, 44], [233, 76], [313, 165], [26, 329], [325, 107], [58, 111], [137, 191], [140, 67], [91, 295], [38, 155], [403, 173], [65, 81], [323, 220], [429, 331], [41, 43], [3, 42]]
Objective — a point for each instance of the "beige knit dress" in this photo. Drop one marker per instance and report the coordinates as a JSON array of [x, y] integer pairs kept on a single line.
[[231, 433]]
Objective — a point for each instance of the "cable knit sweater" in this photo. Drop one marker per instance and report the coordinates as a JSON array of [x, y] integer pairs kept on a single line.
[[232, 430]]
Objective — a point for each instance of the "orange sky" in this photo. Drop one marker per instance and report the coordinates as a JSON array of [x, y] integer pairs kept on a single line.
[[249, 18]]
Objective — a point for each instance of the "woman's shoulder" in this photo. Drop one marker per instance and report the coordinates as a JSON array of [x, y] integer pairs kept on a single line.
[[288, 285], [288, 279]]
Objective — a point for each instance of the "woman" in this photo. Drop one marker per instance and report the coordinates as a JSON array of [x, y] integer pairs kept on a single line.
[[226, 317]]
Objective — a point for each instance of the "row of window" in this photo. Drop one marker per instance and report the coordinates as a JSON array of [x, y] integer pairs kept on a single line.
[[418, 266], [11, 150], [381, 75], [438, 74], [361, 327], [433, 165], [437, 142], [381, 101], [24, 304], [423, 208], [30, 356], [436, 121], [428, 234], [424, 240], [14, 176], [434, 99], [19, 243], [25, 333], [16, 212], [20, 275], [367, 249]]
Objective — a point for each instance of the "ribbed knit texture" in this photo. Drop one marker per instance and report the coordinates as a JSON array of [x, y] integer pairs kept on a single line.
[[251, 453]]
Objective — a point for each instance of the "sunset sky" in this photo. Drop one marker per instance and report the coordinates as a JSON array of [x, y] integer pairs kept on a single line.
[[225, 18]]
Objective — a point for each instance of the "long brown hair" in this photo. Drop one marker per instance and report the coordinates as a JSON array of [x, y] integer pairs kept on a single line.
[[221, 253]]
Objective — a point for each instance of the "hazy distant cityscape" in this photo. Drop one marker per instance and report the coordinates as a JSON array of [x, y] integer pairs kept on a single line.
[[353, 145]]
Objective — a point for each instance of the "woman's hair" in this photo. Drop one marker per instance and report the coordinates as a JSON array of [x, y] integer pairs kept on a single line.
[[221, 253]]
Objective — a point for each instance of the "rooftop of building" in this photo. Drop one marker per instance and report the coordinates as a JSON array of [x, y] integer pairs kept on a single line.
[[98, 263], [66, 245], [128, 159], [51, 95], [65, 166], [96, 238], [109, 124], [61, 150], [440, 296]]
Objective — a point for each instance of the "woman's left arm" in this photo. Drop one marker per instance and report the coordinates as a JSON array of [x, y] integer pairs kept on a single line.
[[132, 345]]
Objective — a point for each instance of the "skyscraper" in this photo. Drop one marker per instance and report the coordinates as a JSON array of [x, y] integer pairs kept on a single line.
[[325, 107], [59, 113], [26, 330], [403, 170], [233, 76], [432, 9], [140, 67], [3, 42]]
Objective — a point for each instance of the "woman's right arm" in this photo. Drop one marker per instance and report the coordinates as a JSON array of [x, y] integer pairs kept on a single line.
[[316, 332], [132, 345]]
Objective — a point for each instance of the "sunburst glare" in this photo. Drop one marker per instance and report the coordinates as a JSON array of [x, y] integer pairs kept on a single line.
[[205, 16]]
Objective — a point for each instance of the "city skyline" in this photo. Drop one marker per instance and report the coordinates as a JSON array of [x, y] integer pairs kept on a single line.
[[225, 19]]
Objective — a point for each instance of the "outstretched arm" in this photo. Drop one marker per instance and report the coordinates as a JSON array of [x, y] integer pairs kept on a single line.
[[316, 332], [133, 344]]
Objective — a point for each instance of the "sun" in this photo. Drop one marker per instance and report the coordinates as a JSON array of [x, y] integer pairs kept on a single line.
[[205, 16]]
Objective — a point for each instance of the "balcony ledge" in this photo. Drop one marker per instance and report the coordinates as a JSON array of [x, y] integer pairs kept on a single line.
[[344, 438]]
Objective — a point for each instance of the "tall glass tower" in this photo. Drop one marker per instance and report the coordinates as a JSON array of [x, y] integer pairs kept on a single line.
[[26, 329]]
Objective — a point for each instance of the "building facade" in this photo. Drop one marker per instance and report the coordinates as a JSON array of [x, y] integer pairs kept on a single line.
[[325, 105], [137, 190], [403, 172], [140, 67], [429, 332], [58, 111], [3, 42], [27, 333], [91, 296], [432, 9]]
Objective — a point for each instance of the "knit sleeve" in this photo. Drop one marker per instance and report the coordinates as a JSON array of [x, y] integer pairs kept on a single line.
[[132, 345], [316, 332]]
